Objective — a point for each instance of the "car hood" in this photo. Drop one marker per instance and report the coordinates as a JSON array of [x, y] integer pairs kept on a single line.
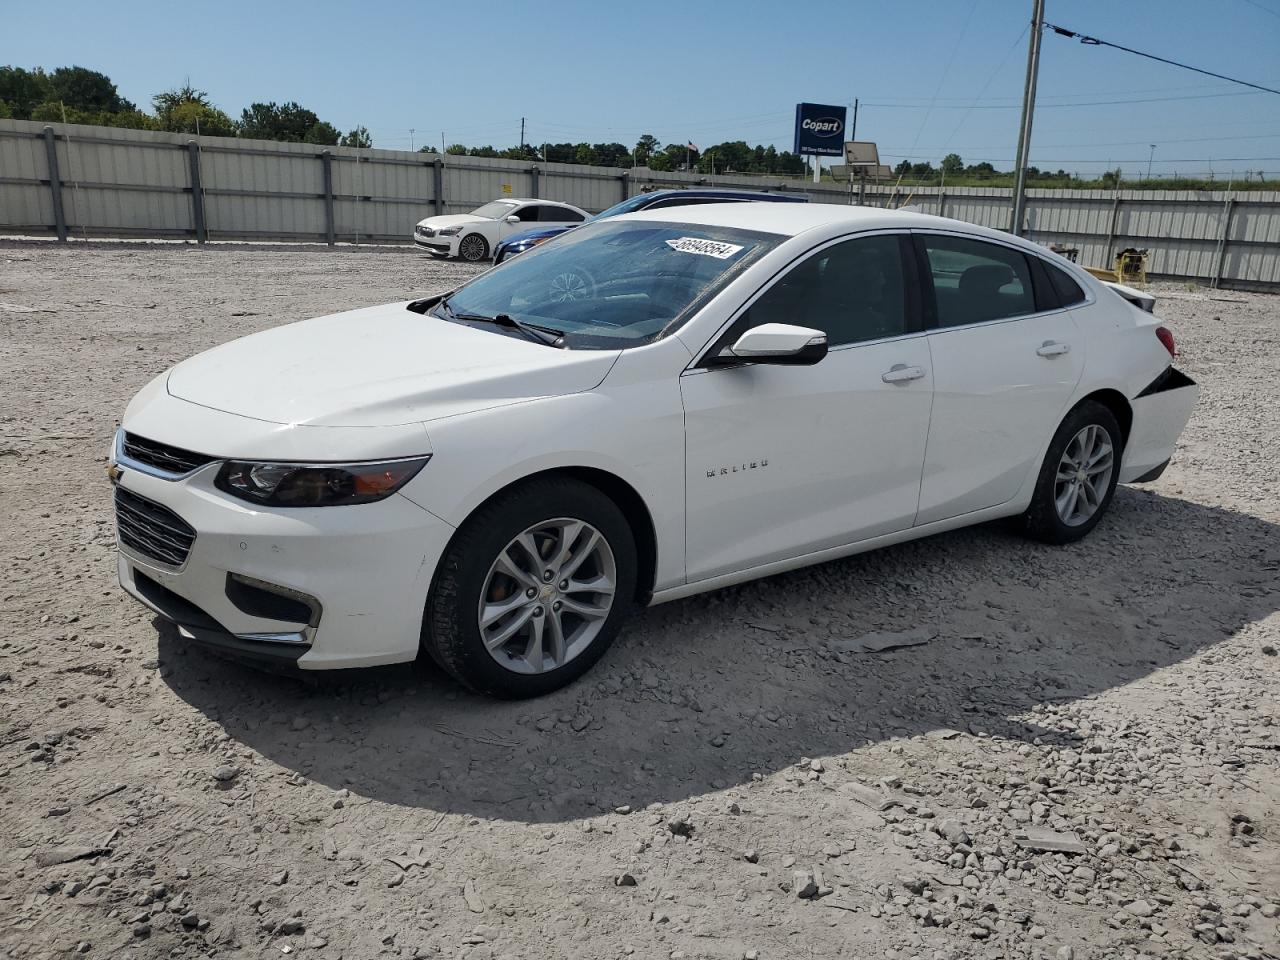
[[452, 220], [380, 366]]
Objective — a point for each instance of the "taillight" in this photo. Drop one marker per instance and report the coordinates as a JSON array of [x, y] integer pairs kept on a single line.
[[1165, 336]]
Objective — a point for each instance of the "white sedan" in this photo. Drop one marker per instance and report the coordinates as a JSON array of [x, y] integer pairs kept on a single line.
[[473, 236], [500, 476]]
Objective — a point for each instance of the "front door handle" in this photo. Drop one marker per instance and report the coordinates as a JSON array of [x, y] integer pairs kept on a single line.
[[1051, 348], [901, 373]]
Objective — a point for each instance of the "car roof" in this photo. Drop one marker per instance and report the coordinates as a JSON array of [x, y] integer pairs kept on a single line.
[[553, 203], [724, 192], [793, 219]]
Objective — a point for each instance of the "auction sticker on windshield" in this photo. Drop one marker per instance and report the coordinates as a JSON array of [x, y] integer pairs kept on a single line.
[[708, 248]]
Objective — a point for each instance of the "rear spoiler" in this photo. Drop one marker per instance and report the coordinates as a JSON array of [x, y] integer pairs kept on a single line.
[[1139, 298]]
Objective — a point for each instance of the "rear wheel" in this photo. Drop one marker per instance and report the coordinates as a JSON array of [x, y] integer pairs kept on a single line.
[[533, 589], [473, 248], [1078, 477]]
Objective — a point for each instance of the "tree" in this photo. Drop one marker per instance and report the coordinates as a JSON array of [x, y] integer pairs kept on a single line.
[[584, 154], [23, 90], [188, 110], [52, 111], [86, 89], [902, 169], [322, 133], [456, 150], [645, 148], [359, 137], [952, 165], [290, 122]]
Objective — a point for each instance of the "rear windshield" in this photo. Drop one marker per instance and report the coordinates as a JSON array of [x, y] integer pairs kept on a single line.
[[615, 283]]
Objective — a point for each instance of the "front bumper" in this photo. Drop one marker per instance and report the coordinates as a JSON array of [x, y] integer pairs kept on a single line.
[[368, 568], [441, 246]]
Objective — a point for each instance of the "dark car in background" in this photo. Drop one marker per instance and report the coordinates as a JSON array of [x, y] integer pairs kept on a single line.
[[652, 200]]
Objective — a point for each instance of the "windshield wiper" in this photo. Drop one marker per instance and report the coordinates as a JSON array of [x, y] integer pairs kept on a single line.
[[548, 335]]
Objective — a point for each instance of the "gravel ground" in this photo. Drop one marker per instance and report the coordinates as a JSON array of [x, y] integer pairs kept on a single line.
[[1085, 761]]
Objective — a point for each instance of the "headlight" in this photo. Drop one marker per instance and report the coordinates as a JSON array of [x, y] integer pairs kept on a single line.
[[450, 232], [315, 484]]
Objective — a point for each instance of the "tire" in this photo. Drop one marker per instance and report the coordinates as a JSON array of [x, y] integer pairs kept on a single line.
[[542, 654], [473, 248], [1053, 516]]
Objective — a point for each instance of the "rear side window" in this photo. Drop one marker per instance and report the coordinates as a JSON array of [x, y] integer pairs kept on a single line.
[[560, 215], [975, 281], [682, 202], [1068, 291]]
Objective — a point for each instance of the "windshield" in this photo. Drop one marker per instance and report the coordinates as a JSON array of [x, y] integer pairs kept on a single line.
[[616, 283], [494, 209]]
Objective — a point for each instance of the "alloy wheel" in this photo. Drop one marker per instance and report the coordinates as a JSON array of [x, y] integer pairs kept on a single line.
[[547, 595], [472, 247], [1084, 475], [569, 286]]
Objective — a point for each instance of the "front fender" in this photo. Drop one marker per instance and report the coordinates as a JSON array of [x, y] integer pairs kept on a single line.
[[637, 438]]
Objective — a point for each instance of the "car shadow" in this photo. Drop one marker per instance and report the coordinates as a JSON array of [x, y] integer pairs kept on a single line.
[[704, 693]]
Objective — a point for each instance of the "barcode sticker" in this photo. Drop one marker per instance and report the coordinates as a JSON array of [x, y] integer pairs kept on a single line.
[[708, 248]]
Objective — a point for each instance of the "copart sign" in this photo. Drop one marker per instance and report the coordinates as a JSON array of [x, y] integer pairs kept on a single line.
[[820, 129]]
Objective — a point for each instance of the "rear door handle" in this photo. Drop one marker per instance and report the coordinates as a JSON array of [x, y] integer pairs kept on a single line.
[[900, 373], [1051, 348]]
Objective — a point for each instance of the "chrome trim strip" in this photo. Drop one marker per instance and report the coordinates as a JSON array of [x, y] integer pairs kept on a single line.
[[297, 638], [123, 460]]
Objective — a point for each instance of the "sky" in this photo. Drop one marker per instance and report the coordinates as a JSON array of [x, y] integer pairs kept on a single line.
[[931, 78]]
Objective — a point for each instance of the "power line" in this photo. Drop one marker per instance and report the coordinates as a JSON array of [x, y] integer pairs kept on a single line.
[[1095, 42], [1050, 106], [1254, 3]]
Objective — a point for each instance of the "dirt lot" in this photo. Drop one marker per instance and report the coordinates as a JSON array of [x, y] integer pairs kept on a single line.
[[707, 791]]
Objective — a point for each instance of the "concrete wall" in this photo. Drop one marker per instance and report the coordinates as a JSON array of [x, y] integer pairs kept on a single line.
[[134, 183]]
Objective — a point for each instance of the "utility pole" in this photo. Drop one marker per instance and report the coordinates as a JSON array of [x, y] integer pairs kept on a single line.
[[1028, 109], [411, 139], [522, 135], [853, 134], [1150, 157]]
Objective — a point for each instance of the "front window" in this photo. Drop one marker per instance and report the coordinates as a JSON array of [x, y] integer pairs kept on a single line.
[[852, 291], [494, 209], [614, 284]]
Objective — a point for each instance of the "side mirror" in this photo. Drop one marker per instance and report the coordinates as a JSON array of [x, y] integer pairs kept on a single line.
[[512, 219], [780, 343]]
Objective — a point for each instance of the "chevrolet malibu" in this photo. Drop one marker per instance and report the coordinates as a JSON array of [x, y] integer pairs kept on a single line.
[[499, 477]]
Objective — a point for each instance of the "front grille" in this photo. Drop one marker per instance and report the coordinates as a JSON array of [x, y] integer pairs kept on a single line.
[[152, 530], [162, 456]]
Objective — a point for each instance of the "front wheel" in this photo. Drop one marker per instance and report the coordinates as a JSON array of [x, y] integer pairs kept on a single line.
[[532, 589], [473, 248], [1078, 477]]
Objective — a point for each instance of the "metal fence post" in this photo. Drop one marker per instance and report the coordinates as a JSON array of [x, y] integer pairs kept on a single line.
[[55, 184], [197, 192], [326, 160], [1222, 241], [942, 203], [437, 184], [625, 179], [1111, 231], [533, 176]]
